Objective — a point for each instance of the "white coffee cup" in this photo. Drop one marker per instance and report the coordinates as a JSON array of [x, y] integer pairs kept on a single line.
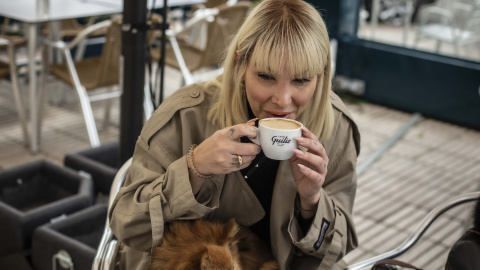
[[276, 136]]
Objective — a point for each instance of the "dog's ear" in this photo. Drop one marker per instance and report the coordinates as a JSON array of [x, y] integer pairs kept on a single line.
[[231, 227]]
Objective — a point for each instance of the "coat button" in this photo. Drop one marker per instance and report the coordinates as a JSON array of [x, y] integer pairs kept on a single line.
[[195, 93]]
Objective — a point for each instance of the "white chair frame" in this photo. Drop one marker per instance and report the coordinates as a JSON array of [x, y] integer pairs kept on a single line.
[[85, 98]]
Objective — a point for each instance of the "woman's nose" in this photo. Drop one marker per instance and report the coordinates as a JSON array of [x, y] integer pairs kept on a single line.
[[282, 96]]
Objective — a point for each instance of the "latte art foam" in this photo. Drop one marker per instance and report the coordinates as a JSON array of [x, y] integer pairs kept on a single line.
[[280, 124]]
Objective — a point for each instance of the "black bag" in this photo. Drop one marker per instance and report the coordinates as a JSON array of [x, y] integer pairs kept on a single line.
[[390, 264], [465, 253]]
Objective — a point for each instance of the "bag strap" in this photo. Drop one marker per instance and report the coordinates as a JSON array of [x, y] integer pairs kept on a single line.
[[395, 262]]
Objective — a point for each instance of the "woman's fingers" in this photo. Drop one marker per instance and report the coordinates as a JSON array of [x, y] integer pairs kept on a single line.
[[310, 141], [241, 130], [316, 162], [223, 153], [240, 162], [311, 174], [314, 159]]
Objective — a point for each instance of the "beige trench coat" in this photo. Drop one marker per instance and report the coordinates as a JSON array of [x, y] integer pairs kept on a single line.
[[157, 189]]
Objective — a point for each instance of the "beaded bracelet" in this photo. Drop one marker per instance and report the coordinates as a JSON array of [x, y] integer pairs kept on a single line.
[[192, 167]]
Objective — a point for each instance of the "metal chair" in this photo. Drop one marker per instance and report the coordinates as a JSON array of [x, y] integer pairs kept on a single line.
[[108, 247], [88, 74], [70, 28], [223, 22], [410, 241], [457, 23], [10, 69]]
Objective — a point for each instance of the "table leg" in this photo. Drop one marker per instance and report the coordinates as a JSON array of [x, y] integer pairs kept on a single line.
[[374, 18], [407, 22], [32, 84]]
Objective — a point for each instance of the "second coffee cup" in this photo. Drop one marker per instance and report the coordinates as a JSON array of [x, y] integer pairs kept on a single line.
[[276, 136]]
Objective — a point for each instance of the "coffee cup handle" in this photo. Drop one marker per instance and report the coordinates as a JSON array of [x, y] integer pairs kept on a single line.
[[256, 140]]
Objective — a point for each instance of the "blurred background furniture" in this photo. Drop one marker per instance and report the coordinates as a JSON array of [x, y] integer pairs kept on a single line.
[[9, 69], [68, 29], [196, 34], [34, 194], [15, 261], [90, 74], [69, 243], [28, 12], [100, 163], [94, 78], [383, 9], [454, 22], [223, 21]]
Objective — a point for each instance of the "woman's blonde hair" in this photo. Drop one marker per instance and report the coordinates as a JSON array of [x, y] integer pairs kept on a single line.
[[278, 33]]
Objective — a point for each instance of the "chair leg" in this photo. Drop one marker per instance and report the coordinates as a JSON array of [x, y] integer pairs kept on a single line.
[[17, 94], [84, 101], [415, 42], [477, 46], [437, 48], [457, 49], [42, 89], [147, 102], [108, 106], [106, 113], [88, 116]]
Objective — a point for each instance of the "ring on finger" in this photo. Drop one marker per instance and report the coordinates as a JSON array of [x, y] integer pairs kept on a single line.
[[240, 160]]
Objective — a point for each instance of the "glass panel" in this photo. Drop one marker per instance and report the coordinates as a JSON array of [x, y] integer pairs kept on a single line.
[[448, 27]]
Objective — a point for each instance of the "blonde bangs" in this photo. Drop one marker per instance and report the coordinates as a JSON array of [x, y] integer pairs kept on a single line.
[[293, 49]]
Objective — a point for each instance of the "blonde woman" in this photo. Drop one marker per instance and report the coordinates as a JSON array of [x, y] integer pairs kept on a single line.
[[193, 158]]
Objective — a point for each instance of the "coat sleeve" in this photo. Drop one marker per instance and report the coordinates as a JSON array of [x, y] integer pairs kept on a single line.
[[157, 188], [332, 233]]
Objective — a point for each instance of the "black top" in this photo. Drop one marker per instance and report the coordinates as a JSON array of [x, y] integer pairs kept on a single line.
[[260, 176]]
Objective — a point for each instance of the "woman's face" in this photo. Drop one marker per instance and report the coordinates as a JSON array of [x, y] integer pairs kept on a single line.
[[277, 95]]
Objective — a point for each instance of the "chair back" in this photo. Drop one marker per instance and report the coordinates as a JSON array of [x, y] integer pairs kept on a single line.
[[109, 73], [4, 69], [213, 3], [222, 29]]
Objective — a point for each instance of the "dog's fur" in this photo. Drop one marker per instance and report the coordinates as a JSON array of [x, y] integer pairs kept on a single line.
[[206, 245]]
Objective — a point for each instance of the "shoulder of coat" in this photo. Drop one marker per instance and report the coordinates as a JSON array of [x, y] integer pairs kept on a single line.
[[339, 106], [186, 97]]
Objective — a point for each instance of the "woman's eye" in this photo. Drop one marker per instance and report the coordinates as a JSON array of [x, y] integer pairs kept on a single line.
[[302, 81], [265, 77]]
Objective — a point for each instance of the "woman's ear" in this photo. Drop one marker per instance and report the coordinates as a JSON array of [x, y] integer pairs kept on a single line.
[[237, 58]]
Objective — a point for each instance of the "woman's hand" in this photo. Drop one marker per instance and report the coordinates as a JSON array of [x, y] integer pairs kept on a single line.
[[219, 153], [309, 170]]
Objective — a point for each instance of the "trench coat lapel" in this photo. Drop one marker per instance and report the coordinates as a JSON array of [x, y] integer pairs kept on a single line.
[[284, 193]]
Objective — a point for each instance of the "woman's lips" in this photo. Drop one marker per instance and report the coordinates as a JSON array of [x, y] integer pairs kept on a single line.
[[278, 114]]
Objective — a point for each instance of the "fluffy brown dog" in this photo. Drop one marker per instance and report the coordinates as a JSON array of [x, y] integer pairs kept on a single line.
[[206, 245]]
